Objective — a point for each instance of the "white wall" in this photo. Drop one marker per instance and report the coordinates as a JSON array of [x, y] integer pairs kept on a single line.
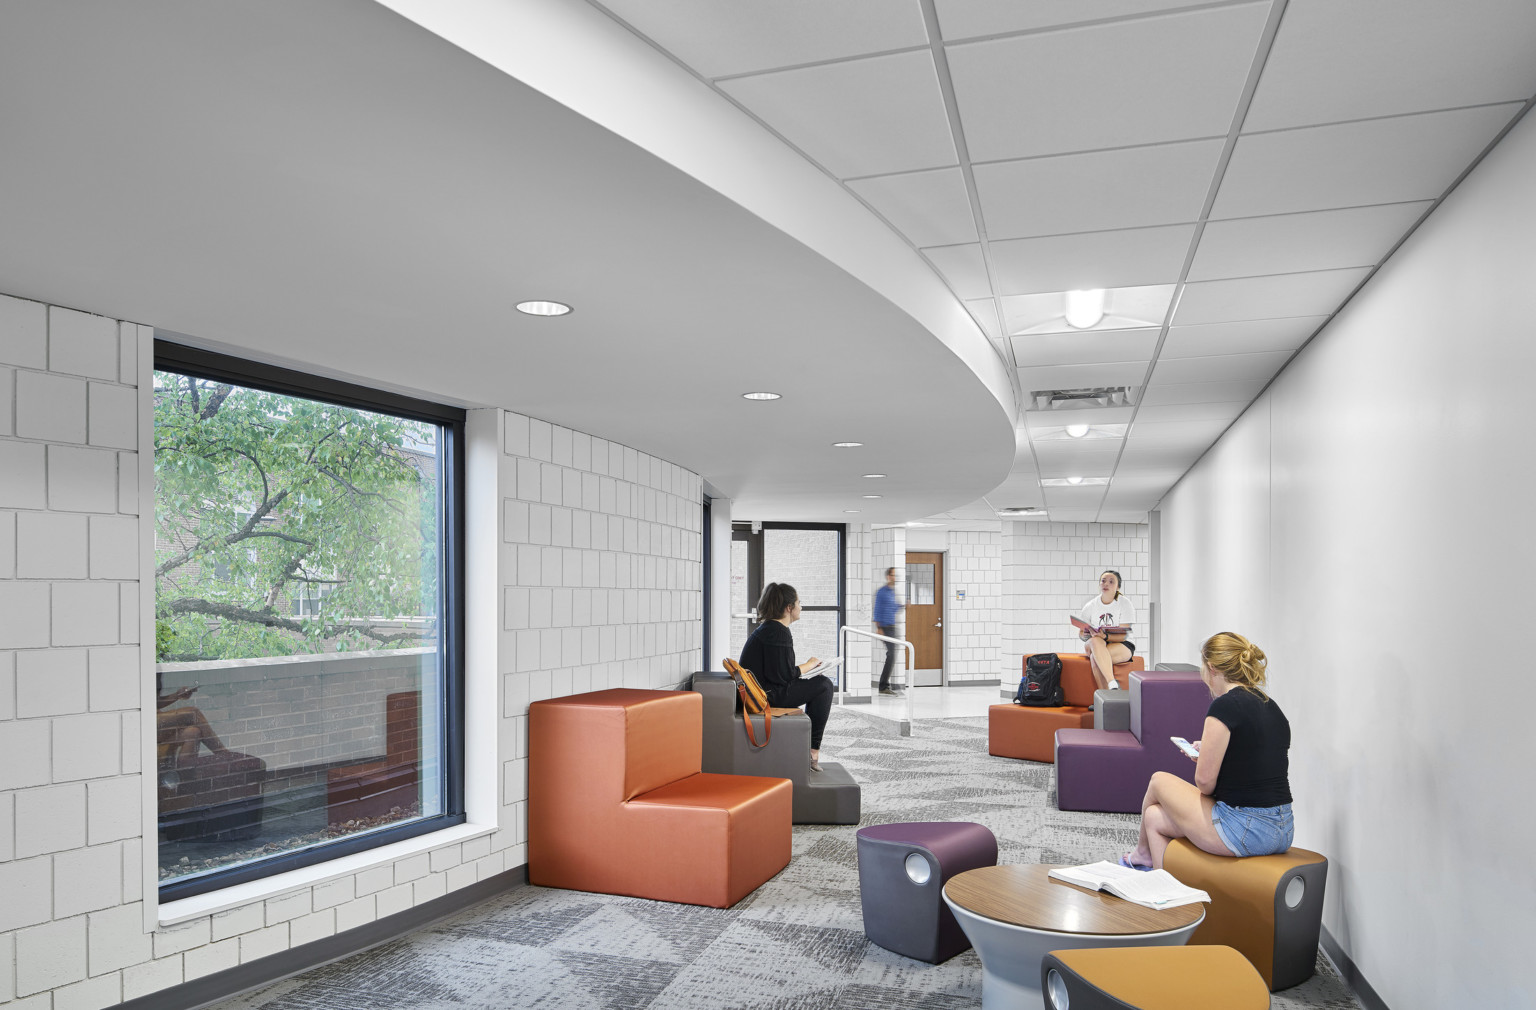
[[596, 584], [973, 627], [1365, 522]]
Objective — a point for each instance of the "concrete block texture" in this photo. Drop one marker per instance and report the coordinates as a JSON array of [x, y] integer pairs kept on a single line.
[[28, 888], [51, 682], [50, 819], [116, 938], [23, 332], [81, 344], [113, 416], [81, 479], [50, 955], [26, 475], [26, 757], [50, 407], [51, 546]]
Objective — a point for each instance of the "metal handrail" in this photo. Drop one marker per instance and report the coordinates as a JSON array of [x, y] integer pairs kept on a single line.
[[905, 725]]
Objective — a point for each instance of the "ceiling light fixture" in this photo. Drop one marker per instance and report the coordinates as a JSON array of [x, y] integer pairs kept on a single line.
[[1074, 480], [1077, 430], [872, 476], [851, 511], [760, 396], [846, 445], [542, 308], [1085, 308], [871, 496]]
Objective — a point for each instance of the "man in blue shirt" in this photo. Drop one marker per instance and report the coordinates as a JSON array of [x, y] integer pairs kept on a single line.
[[885, 623]]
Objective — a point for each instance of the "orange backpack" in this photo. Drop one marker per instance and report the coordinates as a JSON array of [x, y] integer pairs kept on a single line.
[[754, 700]]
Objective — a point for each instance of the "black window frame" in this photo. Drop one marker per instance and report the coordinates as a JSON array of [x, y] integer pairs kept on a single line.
[[200, 363], [752, 533]]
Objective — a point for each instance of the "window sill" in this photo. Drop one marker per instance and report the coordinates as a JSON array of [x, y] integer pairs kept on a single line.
[[182, 910]]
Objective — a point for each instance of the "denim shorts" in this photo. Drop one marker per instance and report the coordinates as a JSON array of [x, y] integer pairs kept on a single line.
[[1254, 831]]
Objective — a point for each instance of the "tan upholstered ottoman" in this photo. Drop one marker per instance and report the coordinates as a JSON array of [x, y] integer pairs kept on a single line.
[[1269, 907], [1151, 978]]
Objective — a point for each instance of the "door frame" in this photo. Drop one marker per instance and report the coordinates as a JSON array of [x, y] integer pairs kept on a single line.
[[943, 602]]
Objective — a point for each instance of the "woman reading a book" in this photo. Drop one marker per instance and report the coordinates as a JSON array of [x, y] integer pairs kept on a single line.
[[1240, 802], [1108, 617], [770, 655]]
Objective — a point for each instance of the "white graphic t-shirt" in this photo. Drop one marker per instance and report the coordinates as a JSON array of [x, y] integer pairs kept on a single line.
[[1118, 613]]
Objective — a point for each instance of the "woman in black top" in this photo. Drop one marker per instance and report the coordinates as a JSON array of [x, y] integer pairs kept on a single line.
[[770, 655], [1240, 803]]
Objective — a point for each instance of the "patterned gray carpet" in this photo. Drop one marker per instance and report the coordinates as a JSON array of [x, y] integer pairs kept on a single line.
[[796, 943]]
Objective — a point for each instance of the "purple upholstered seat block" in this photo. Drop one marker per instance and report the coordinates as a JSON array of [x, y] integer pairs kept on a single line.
[[902, 872], [1108, 771]]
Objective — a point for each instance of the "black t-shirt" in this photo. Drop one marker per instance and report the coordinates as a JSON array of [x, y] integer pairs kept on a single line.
[[1255, 770], [770, 655]]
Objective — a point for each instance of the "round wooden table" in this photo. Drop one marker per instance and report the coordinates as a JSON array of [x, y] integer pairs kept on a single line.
[[1015, 915]]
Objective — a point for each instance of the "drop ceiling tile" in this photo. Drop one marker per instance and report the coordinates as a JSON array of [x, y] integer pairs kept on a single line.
[[1087, 496], [963, 267], [1105, 259], [1191, 412], [1201, 392], [1220, 367], [1082, 347], [1142, 482], [873, 116], [1161, 456], [1315, 240], [1181, 432], [1125, 309], [1129, 188], [1085, 456], [717, 39], [1355, 164], [1176, 77], [1116, 373], [1279, 296], [929, 208], [1245, 337], [962, 19], [1333, 61]]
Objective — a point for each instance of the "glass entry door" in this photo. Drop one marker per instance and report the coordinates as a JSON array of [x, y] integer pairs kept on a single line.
[[808, 556]]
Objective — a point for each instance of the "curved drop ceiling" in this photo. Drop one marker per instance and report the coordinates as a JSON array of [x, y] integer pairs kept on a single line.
[[335, 187]]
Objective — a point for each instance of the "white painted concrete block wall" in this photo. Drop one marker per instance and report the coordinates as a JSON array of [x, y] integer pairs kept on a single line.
[[973, 642], [1051, 569], [860, 582], [609, 557]]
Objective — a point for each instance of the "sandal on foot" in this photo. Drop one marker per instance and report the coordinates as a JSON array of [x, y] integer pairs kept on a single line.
[[1125, 861]]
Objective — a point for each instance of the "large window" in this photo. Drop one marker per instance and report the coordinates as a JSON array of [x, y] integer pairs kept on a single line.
[[307, 587]]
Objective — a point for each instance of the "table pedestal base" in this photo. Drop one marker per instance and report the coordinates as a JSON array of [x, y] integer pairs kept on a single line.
[[1011, 955]]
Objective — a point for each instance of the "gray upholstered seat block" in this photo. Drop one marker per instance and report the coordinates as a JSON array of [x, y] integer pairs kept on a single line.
[[1111, 710], [829, 796]]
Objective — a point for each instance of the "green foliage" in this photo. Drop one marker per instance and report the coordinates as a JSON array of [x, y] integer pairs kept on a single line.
[[262, 498]]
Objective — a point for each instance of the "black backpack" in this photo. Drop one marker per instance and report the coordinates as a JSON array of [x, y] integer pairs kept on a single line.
[[1041, 684]]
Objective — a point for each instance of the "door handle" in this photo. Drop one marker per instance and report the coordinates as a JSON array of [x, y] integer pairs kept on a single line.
[[940, 624]]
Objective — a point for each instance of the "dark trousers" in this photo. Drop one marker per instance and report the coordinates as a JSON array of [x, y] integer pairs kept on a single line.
[[889, 631], [815, 693]]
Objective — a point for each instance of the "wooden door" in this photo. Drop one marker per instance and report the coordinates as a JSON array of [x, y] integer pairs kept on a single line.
[[925, 616]]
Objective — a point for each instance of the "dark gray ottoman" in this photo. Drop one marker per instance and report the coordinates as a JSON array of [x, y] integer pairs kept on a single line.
[[902, 872]]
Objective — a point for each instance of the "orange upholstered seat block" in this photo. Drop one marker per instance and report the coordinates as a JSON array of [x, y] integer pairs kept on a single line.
[[1270, 908], [1016, 731], [1156, 978], [617, 804], [1077, 685]]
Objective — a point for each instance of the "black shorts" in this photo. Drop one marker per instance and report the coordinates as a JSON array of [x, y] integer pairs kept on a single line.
[[1129, 645]]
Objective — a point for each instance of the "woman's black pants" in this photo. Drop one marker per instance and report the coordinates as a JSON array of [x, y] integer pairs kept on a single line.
[[815, 693]]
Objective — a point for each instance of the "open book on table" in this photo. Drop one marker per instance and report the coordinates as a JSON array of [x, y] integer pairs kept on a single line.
[[825, 666], [1082, 625], [1151, 888]]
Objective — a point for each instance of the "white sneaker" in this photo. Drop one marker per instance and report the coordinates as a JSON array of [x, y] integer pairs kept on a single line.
[[1114, 685]]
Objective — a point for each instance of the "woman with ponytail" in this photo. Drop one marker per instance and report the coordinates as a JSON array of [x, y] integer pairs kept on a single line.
[[1240, 802], [1109, 609], [770, 655]]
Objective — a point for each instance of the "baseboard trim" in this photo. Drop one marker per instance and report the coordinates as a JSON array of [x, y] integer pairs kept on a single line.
[[1350, 973], [224, 984]]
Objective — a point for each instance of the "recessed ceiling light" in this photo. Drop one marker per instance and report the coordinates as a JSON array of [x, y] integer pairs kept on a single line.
[[846, 445], [1084, 308], [1074, 480], [851, 511], [760, 396], [872, 476], [1077, 430], [871, 496], [542, 308]]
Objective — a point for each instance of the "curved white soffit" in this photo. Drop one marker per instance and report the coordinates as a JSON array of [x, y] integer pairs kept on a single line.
[[553, 46]]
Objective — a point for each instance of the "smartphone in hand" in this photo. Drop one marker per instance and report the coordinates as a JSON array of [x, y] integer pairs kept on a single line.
[[1191, 750]]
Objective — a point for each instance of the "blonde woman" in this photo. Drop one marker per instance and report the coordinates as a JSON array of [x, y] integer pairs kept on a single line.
[[1240, 802], [1109, 609]]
